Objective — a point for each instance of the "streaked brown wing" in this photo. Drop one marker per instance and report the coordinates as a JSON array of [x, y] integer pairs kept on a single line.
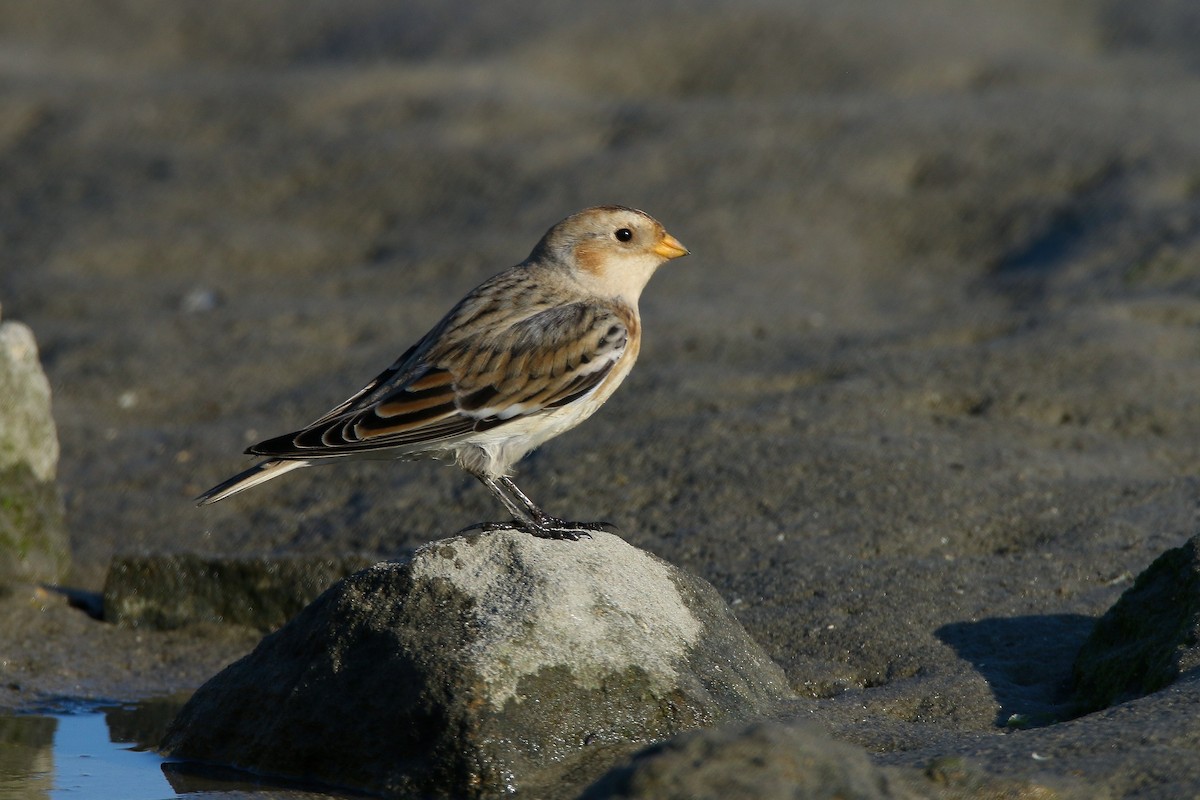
[[470, 384], [423, 410], [545, 361]]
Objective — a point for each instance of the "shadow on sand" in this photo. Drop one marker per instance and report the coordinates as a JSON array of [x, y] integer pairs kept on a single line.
[[1026, 661]]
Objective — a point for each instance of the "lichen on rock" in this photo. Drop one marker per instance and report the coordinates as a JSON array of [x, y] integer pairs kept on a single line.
[[33, 540], [484, 664]]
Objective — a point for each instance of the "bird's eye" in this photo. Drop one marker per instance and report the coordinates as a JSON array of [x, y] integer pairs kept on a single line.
[[623, 234]]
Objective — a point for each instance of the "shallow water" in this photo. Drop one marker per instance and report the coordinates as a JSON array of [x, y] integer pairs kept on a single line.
[[102, 752]]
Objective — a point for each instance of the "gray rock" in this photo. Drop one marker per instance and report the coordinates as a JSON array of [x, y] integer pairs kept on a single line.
[[485, 664], [770, 760], [28, 435], [759, 761], [173, 590], [1149, 636], [200, 300], [33, 540]]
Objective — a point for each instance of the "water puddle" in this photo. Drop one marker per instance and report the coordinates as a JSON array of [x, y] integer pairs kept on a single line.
[[102, 752]]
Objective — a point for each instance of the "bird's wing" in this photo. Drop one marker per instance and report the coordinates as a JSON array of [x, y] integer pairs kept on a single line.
[[467, 384]]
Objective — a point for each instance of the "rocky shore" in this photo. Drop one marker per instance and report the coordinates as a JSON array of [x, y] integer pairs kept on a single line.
[[921, 407]]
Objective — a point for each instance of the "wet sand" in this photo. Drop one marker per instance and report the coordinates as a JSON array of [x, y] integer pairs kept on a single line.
[[920, 405]]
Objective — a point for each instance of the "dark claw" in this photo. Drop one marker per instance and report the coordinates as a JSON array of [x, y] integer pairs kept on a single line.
[[558, 534], [554, 528]]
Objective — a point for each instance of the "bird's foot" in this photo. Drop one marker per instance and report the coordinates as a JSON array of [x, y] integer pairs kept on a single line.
[[546, 528], [554, 528]]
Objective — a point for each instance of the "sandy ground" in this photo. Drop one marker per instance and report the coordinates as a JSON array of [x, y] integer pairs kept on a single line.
[[920, 404]]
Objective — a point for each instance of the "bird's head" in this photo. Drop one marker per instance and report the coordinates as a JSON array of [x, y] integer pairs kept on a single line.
[[611, 250]]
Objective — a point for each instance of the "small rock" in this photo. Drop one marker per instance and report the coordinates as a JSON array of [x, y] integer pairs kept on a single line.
[[200, 300], [1147, 638], [770, 760], [170, 591], [486, 664], [33, 538], [27, 435], [758, 761]]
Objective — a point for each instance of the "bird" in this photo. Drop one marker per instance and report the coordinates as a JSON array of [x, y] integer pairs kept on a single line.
[[525, 356]]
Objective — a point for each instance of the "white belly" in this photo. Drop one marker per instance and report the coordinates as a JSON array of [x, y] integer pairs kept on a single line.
[[494, 452]]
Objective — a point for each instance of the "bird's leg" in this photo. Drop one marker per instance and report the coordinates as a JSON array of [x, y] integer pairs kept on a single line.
[[522, 513], [528, 517], [548, 526], [531, 508]]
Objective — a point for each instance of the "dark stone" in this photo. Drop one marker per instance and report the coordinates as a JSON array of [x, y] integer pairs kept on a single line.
[[33, 538], [758, 761], [170, 591], [771, 760], [1147, 638], [485, 664]]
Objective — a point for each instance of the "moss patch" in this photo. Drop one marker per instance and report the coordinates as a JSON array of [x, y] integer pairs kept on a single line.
[[33, 539]]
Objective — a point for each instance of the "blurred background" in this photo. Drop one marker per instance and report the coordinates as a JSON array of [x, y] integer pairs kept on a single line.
[[920, 404], [942, 301]]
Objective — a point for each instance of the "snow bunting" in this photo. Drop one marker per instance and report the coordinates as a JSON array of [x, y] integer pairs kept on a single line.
[[527, 355]]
